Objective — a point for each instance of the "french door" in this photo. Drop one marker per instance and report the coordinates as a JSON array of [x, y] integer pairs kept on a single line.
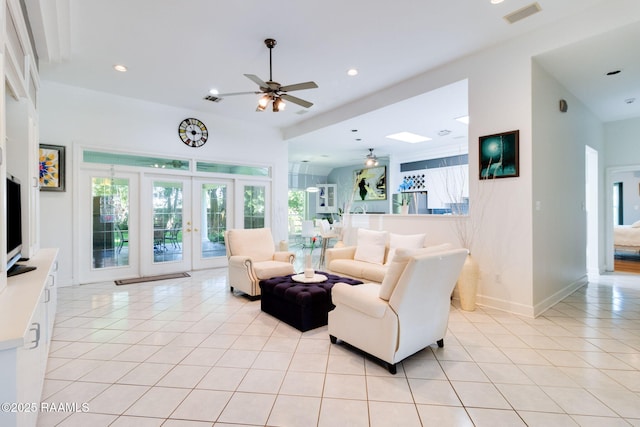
[[185, 223], [141, 224]]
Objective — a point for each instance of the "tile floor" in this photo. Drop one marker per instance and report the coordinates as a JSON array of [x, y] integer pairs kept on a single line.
[[188, 353]]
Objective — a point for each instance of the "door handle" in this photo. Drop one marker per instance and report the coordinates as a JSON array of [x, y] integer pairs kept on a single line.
[[35, 327]]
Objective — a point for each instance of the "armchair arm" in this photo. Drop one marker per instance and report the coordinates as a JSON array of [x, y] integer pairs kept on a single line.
[[363, 298], [284, 256], [345, 252]]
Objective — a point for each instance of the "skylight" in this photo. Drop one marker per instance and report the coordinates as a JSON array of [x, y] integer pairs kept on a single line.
[[409, 137]]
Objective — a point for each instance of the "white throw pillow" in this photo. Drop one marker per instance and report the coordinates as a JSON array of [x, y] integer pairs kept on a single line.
[[636, 224], [410, 241], [370, 246]]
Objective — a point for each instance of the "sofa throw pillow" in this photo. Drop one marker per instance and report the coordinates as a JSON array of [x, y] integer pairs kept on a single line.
[[411, 241], [394, 271], [370, 246], [636, 224]]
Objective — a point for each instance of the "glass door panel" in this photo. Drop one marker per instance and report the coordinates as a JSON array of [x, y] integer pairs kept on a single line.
[[110, 217], [108, 247], [254, 206], [167, 225], [212, 200], [167, 221]]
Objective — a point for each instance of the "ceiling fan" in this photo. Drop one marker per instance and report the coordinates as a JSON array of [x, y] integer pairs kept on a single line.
[[273, 91]]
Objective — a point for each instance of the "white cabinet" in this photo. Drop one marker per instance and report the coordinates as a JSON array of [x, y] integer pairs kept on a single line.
[[327, 200], [27, 311]]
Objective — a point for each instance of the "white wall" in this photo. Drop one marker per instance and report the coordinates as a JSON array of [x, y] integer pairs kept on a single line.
[[559, 214], [72, 116], [622, 143]]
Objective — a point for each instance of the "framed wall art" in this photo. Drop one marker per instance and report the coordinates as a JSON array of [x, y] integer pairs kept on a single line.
[[370, 183], [52, 167], [499, 156]]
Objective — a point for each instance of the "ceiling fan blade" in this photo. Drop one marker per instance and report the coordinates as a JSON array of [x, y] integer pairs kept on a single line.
[[301, 102], [257, 80], [299, 86]]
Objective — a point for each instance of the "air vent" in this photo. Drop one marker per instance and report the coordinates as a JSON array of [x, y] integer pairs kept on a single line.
[[212, 98], [520, 14]]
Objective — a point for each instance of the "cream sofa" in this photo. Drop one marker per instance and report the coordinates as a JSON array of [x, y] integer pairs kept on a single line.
[[369, 259]]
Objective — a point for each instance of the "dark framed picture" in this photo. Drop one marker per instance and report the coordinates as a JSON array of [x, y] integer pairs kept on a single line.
[[371, 183], [499, 156], [52, 167]]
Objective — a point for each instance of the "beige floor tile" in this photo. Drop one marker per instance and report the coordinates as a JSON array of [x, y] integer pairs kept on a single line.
[[438, 415], [183, 376], [295, 411], [248, 408], [158, 402], [345, 386], [343, 412], [262, 381], [389, 389], [117, 398], [383, 414], [202, 405]]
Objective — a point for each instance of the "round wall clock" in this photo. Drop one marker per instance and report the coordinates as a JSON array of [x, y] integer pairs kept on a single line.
[[193, 132]]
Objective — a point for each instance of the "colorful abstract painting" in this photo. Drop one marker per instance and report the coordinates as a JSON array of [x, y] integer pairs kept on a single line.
[[371, 183], [51, 167]]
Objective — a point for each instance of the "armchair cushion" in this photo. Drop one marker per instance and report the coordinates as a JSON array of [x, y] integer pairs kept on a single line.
[[412, 241], [268, 269], [363, 298], [370, 246]]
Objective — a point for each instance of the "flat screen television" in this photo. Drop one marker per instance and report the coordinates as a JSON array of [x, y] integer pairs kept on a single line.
[[14, 224]]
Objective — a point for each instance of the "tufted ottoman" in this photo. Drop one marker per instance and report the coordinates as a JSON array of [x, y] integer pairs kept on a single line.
[[304, 306]]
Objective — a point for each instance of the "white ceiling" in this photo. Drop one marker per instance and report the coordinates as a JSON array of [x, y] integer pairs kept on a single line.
[[177, 51]]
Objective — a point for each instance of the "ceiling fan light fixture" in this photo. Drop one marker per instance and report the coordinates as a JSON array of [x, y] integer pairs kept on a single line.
[[263, 102], [278, 105], [371, 159]]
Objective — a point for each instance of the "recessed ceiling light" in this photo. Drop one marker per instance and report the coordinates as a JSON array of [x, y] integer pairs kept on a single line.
[[496, 1], [119, 67], [613, 72], [214, 91], [444, 132], [463, 119], [352, 72], [630, 100], [409, 137]]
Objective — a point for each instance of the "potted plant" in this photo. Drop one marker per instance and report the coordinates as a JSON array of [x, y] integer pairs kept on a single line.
[[405, 197]]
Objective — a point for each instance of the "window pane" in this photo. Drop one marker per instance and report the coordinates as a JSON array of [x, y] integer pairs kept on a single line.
[[167, 221], [132, 160], [110, 222], [214, 205], [254, 206]]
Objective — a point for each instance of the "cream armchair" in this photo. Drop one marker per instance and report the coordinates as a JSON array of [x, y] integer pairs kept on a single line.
[[252, 257], [408, 312]]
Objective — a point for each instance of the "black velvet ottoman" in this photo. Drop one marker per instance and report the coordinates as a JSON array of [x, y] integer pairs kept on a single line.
[[304, 306]]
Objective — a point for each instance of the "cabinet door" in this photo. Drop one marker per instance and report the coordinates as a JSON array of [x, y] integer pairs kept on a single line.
[[31, 363], [51, 298]]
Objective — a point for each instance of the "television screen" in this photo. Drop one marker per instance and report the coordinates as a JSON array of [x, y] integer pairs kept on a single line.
[[14, 221]]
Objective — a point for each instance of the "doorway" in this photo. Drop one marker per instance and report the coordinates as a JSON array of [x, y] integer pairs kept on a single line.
[[591, 207]]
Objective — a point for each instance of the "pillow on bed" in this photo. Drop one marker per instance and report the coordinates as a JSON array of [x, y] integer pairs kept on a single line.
[[636, 224]]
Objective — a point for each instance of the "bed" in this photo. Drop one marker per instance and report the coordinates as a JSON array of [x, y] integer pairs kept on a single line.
[[627, 237]]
